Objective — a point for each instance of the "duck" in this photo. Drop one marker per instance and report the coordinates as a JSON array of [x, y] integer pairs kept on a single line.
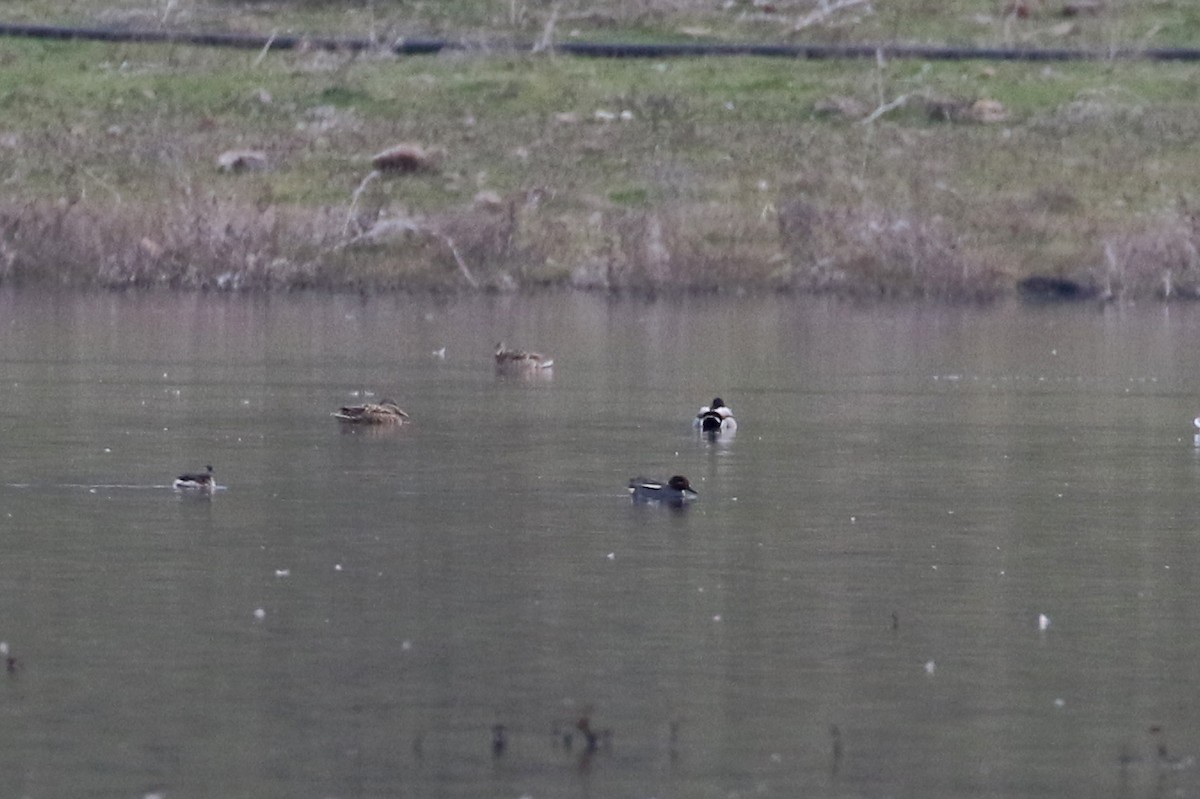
[[199, 481], [675, 491], [519, 360], [715, 418], [382, 412]]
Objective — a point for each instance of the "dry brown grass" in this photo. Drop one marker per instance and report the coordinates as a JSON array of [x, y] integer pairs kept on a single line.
[[209, 244], [1162, 261], [228, 246], [868, 251]]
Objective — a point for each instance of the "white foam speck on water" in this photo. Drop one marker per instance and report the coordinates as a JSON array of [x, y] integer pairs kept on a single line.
[[930, 667], [1043, 621], [260, 614], [283, 572]]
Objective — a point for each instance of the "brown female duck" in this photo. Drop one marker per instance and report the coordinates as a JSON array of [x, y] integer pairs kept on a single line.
[[515, 361], [382, 412]]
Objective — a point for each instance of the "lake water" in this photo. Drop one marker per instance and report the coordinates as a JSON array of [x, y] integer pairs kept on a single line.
[[850, 609]]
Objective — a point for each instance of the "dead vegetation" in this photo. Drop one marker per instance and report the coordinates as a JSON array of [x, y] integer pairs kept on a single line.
[[217, 245], [1161, 262], [222, 246], [873, 252]]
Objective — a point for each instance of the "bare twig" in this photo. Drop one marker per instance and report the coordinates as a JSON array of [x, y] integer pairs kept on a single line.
[[883, 109], [462, 265], [384, 228], [409, 224], [1144, 41], [546, 42], [1114, 272], [266, 49], [111, 188], [824, 11], [374, 173]]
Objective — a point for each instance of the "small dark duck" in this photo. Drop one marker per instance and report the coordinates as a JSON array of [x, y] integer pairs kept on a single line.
[[199, 481], [518, 361], [675, 491], [383, 412], [715, 418]]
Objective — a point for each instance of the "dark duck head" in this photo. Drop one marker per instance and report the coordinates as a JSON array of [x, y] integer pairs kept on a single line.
[[716, 417]]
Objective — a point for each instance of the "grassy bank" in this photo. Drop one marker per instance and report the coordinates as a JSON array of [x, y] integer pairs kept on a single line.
[[856, 177], [1079, 23]]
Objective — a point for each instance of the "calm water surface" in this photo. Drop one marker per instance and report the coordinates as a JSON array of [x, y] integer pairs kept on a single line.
[[849, 610]]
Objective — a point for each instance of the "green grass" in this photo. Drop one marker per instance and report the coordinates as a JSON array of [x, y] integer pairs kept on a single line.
[[1132, 22]]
